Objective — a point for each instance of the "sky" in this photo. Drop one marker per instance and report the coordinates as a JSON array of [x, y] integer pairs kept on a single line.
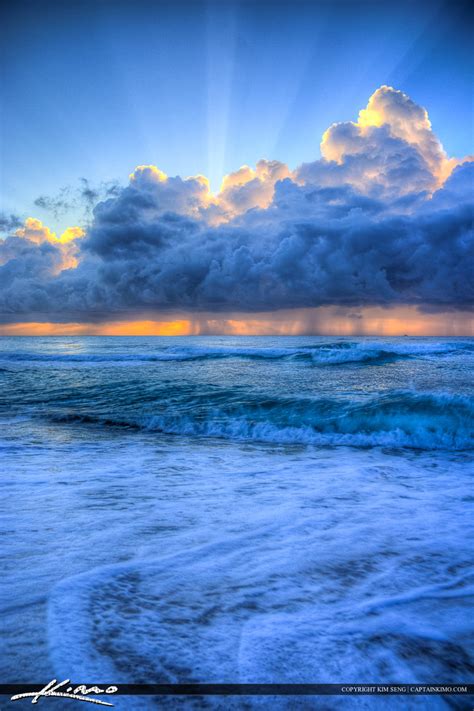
[[92, 90]]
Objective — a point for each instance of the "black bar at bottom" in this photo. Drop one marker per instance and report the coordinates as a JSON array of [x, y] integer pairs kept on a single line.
[[254, 689]]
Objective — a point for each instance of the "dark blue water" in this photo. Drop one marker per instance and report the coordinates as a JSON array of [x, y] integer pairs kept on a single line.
[[238, 509]]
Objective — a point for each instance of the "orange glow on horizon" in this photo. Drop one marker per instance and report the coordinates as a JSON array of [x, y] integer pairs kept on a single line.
[[113, 328], [328, 320]]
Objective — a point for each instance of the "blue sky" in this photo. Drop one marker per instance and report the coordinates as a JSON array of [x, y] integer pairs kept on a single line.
[[93, 89]]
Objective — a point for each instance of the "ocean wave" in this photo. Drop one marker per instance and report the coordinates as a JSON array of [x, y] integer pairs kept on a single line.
[[402, 419], [334, 353]]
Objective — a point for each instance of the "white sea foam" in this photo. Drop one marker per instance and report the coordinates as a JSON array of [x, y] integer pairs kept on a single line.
[[284, 597]]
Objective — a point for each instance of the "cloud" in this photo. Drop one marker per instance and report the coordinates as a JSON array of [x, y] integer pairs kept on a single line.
[[384, 218], [58, 204], [84, 197], [390, 151], [8, 223], [248, 188], [34, 231], [34, 254]]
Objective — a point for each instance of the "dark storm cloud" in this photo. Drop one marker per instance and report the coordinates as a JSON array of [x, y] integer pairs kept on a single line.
[[366, 225], [340, 250], [310, 247]]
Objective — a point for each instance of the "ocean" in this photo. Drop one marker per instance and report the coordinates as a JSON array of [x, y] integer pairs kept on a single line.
[[238, 509]]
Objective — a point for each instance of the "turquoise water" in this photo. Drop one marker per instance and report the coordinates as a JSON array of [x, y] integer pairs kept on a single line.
[[238, 510]]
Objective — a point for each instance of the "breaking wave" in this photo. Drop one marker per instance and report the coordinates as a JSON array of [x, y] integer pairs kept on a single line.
[[336, 353], [400, 419]]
